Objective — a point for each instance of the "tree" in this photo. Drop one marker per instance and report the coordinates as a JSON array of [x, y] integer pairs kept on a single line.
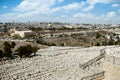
[[61, 35], [7, 44], [98, 35], [62, 44], [13, 44], [5, 29], [7, 51], [29, 50], [20, 51], [1, 54], [35, 50], [51, 34], [98, 44], [111, 42], [24, 51], [16, 36]]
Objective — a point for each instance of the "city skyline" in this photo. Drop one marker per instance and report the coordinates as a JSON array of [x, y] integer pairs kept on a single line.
[[74, 11]]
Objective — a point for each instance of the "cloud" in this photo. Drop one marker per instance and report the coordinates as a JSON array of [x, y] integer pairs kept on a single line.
[[59, 1], [108, 18], [5, 7], [44, 10], [115, 5], [93, 2], [29, 5], [111, 14], [74, 5], [88, 8], [83, 15], [71, 6], [111, 17], [31, 10], [45, 6], [84, 18]]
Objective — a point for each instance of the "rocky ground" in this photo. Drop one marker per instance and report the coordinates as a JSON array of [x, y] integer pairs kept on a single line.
[[52, 63]]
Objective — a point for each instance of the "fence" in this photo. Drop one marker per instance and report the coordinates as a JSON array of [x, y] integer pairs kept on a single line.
[[92, 61], [112, 59], [94, 76]]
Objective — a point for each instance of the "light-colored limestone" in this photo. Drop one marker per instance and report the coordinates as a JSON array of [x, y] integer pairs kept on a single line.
[[53, 63], [111, 64], [112, 71]]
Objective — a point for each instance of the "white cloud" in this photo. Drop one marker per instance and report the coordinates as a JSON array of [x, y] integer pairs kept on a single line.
[[83, 18], [5, 7], [83, 15], [29, 5], [43, 6], [71, 6], [43, 10], [109, 17], [115, 5], [56, 9], [7, 17], [93, 2], [88, 8], [74, 5], [29, 10], [60, 1], [111, 14]]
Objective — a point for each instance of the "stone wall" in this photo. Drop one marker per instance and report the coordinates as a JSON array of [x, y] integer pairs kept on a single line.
[[111, 66]]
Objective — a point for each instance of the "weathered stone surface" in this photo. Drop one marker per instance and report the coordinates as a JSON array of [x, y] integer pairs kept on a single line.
[[53, 63]]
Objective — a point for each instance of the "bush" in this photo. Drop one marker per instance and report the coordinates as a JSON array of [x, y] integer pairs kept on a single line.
[[98, 35], [7, 44], [60, 35], [16, 36], [13, 44], [26, 51], [7, 52], [40, 41], [62, 44], [52, 44], [34, 49], [97, 44], [1, 54], [111, 42]]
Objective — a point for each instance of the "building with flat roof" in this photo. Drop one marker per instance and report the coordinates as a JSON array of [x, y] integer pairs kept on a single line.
[[20, 33]]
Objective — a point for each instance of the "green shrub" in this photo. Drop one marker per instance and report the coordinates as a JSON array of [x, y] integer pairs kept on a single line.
[[7, 44], [62, 44], [1, 54], [7, 52], [13, 44], [34, 49], [26, 51]]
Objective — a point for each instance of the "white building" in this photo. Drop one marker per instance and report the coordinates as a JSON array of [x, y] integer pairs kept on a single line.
[[16, 32]]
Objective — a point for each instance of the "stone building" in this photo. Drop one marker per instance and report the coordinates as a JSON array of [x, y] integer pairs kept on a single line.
[[20, 33]]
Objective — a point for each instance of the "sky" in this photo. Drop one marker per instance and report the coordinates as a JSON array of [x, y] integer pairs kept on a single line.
[[73, 11]]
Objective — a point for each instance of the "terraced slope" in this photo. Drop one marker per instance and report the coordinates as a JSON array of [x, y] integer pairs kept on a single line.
[[53, 63]]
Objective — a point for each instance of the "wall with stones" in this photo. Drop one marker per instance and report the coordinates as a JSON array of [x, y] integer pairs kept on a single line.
[[112, 70]]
